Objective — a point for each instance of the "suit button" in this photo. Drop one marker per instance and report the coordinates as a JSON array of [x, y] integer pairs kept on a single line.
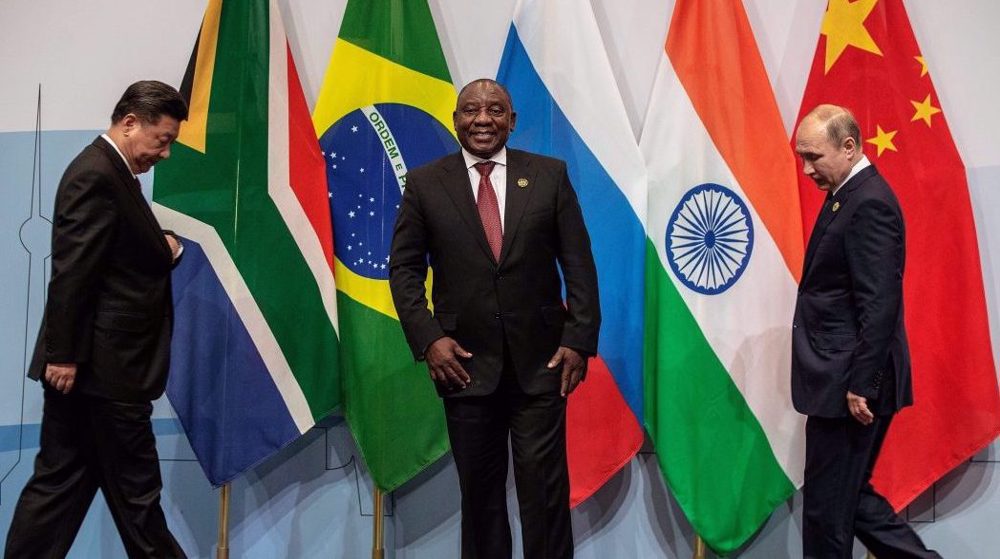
[[496, 316], [499, 277]]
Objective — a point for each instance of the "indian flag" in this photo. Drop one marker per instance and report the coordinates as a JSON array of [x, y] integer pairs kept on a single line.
[[724, 256], [254, 359], [384, 108]]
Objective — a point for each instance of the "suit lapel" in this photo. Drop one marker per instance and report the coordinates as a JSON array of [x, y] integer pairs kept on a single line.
[[830, 212], [519, 171], [822, 221], [459, 189], [133, 192]]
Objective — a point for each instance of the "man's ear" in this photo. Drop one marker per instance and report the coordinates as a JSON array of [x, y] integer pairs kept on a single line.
[[129, 123], [850, 146]]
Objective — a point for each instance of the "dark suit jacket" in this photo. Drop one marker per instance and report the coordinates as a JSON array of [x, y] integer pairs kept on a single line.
[[109, 307], [848, 331], [481, 303]]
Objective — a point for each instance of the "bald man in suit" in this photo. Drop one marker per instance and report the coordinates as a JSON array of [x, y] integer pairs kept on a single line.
[[850, 359]]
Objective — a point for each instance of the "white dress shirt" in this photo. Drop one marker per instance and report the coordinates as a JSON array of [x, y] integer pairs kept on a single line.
[[857, 168], [112, 142]]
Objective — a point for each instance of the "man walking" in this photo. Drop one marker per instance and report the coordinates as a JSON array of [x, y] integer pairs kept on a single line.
[[102, 354], [850, 359]]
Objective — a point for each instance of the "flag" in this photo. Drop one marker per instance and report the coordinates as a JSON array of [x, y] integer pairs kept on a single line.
[[724, 256], [254, 355], [557, 71], [868, 60], [384, 107]]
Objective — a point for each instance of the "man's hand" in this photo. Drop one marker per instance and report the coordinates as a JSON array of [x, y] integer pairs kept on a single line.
[[443, 365], [574, 368], [858, 406], [61, 376], [175, 246]]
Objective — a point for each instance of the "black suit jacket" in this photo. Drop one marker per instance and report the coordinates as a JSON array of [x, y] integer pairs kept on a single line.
[[482, 303], [848, 331], [109, 307]]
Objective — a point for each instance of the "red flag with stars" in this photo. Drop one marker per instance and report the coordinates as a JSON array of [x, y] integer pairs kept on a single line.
[[868, 60]]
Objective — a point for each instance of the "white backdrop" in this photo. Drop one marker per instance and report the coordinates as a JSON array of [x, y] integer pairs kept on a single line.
[[312, 500]]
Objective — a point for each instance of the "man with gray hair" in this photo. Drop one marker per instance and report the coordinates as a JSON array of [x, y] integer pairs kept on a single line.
[[850, 359]]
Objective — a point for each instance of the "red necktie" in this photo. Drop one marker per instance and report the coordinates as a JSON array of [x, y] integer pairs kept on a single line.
[[489, 208]]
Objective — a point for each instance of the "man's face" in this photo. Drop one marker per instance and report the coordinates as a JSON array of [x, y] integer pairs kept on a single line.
[[483, 119], [148, 143], [826, 163]]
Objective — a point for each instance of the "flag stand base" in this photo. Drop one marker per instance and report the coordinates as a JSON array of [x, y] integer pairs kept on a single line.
[[222, 550]]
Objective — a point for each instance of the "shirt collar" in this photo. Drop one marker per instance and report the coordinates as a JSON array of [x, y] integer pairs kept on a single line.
[[858, 167], [112, 142], [499, 157]]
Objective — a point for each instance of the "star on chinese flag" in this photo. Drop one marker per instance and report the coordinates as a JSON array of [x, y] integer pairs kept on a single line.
[[868, 60]]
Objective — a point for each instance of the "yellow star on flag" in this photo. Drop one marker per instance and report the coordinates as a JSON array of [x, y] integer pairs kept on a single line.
[[844, 26], [924, 110], [923, 65], [883, 140]]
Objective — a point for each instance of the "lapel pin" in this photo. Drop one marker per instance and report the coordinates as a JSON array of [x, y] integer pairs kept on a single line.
[[836, 206], [522, 182]]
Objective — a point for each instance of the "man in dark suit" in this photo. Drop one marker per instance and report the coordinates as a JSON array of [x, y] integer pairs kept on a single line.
[[850, 360], [497, 225], [103, 350]]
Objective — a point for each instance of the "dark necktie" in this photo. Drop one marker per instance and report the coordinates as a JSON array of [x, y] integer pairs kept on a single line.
[[489, 208]]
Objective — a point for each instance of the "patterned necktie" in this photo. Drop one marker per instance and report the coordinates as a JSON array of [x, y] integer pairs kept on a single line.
[[489, 208]]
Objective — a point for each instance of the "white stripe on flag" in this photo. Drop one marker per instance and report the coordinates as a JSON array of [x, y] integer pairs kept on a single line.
[[278, 176], [749, 325], [565, 46], [247, 309]]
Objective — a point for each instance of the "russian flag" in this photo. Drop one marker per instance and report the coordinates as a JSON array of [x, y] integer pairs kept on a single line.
[[568, 104]]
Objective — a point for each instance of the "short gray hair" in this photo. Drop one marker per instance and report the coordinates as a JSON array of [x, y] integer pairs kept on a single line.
[[840, 123]]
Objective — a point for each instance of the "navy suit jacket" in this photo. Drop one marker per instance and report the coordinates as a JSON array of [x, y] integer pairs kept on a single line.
[[109, 306], [848, 331], [484, 304]]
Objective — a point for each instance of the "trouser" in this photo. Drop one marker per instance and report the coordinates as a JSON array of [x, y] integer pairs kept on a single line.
[[839, 501], [478, 427], [90, 443]]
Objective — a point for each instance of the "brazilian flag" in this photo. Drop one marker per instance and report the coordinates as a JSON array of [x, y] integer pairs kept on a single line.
[[384, 108]]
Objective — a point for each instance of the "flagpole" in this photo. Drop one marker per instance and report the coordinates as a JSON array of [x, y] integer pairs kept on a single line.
[[222, 551], [378, 551], [699, 548]]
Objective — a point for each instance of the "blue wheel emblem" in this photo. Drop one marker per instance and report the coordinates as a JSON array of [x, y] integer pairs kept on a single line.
[[709, 239]]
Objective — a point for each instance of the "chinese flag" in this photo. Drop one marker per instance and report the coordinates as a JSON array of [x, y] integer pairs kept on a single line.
[[869, 61]]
